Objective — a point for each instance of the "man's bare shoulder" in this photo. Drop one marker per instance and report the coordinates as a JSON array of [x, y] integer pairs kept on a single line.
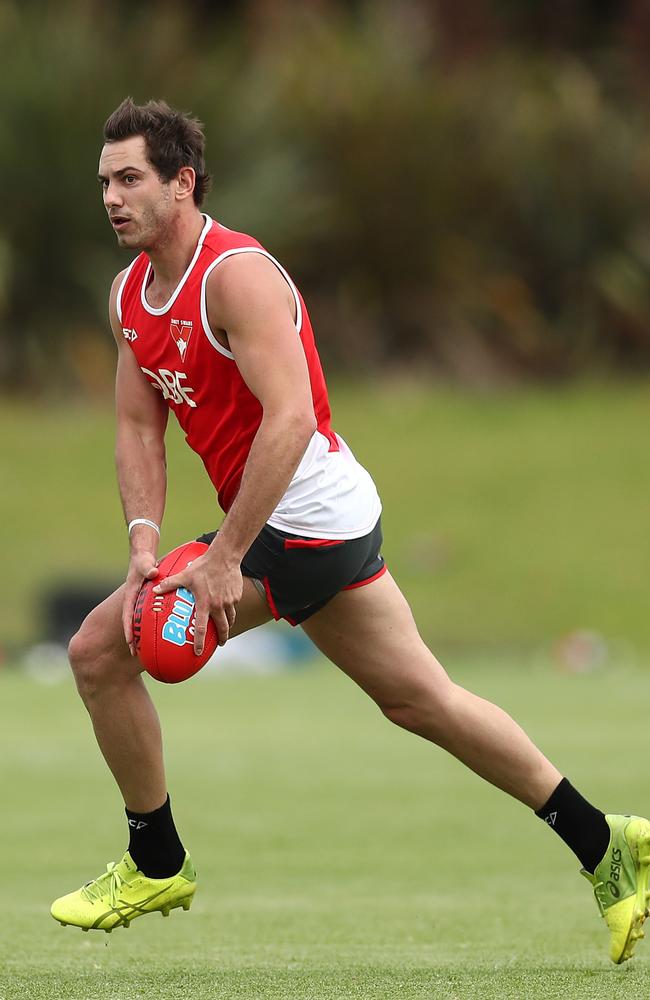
[[112, 303], [243, 269], [117, 281], [243, 280]]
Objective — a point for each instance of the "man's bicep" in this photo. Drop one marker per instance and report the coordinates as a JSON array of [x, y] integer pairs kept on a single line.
[[272, 362], [252, 305], [137, 402]]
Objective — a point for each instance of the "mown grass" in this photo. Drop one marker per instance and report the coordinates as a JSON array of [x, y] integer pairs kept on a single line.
[[338, 856], [509, 518]]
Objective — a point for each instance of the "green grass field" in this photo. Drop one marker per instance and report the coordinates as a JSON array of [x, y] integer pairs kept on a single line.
[[338, 856], [509, 518]]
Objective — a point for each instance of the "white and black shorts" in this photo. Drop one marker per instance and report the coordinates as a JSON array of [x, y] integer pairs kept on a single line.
[[300, 575]]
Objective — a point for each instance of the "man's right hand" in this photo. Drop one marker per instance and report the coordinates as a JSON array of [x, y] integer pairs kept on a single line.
[[142, 566]]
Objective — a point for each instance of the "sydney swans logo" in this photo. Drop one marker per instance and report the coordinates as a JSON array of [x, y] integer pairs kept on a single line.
[[181, 331]]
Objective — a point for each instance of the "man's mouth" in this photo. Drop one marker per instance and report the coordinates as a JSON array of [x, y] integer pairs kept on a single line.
[[119, 221]]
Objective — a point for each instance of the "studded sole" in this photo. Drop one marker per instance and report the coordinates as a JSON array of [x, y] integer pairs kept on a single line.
[[184, 903]]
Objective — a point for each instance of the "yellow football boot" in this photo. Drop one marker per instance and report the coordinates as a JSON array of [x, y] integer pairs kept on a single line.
[[621, 884], [123, 893]]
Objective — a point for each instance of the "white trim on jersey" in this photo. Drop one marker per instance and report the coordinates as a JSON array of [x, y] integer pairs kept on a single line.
[[118, 300], [208, 271], [170, 302]]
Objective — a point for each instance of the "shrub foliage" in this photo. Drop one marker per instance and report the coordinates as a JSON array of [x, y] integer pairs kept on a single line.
[[481, 213]]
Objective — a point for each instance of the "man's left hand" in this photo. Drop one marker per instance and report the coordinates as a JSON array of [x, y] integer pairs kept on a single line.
[[217, 587]]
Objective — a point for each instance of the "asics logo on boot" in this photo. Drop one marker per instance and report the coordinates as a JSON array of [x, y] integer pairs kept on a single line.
[[615, 872]]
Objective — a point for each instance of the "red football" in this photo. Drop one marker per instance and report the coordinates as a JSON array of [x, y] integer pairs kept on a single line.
[[163, 624]]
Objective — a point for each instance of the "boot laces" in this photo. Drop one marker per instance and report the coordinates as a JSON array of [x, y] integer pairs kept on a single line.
[[109, 883]]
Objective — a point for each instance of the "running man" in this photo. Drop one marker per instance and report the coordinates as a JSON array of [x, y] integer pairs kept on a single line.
[[210, 325]]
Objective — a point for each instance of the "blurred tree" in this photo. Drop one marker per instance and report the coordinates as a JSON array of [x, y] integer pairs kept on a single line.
[[462, 186]]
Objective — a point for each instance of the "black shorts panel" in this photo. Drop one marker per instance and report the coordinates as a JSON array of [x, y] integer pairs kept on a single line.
[[301, 574]]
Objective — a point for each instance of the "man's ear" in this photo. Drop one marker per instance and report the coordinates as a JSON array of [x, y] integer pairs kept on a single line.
[[185, 182]]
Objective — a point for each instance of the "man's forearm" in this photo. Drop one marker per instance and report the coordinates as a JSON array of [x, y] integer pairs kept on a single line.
[[142, 479], [278, 447]]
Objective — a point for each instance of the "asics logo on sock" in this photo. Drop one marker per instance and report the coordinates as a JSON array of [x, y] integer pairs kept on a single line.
[[550, 819], [615, 872], [137, 824]]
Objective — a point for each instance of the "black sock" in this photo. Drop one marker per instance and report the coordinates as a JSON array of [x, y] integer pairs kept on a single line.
[[154, 843], [581, 826]]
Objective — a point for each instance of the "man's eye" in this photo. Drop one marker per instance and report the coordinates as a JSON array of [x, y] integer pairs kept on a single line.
[[129, 178]]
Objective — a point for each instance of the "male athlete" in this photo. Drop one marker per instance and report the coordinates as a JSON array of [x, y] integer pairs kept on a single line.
[[210, 325]]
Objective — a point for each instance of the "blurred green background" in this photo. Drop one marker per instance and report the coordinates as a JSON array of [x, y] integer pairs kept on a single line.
[[511, 520], [462, 191]]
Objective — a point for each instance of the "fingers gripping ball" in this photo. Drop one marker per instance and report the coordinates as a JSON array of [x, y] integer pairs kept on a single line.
[[163, 624]]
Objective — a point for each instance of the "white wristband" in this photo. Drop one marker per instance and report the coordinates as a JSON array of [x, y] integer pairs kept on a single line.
[[143, 520]]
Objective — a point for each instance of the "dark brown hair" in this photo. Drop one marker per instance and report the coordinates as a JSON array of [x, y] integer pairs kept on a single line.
[[173, 139]]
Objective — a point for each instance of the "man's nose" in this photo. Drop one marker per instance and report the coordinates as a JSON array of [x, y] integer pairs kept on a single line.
[[112, 196]]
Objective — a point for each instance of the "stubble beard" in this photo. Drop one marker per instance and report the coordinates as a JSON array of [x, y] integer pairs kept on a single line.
[[149, 231]]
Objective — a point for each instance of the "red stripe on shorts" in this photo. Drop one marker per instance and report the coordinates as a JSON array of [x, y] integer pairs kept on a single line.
[[269, 598], [371, 579], [310, 543]]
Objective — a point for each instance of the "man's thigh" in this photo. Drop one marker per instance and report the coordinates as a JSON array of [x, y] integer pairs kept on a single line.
[[371, 635]]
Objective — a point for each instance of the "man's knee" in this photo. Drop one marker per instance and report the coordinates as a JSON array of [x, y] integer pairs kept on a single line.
[[85, 655], [424, 711], [94, 655]]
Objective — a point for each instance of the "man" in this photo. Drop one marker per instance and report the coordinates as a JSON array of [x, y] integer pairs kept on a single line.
[[208, 324]]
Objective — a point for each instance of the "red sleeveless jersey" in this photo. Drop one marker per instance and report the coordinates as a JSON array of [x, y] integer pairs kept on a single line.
[[197, 376]]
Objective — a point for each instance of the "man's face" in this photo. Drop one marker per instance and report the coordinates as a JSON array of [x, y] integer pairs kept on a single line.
[[139, 204]]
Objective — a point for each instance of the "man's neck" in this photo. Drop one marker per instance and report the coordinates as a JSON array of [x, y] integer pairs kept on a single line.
[[171, 258]]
